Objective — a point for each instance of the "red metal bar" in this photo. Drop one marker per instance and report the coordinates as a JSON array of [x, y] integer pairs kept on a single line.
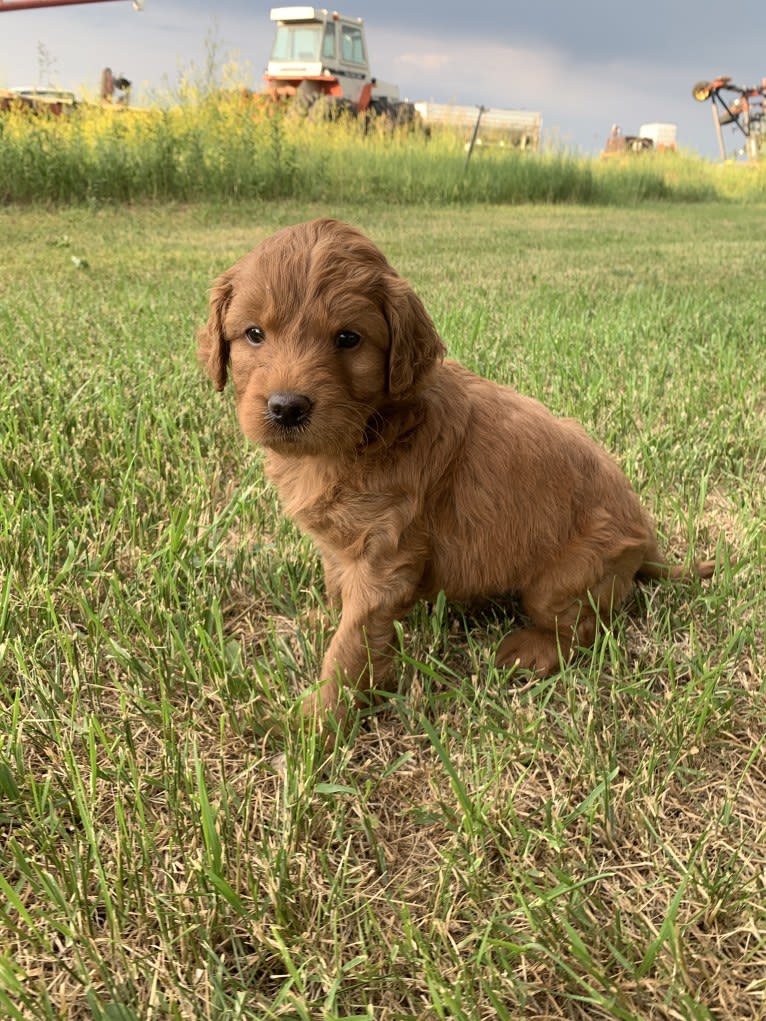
[[26, 5]]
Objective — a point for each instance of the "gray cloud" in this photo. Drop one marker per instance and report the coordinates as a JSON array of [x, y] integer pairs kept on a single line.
[[594, 30]]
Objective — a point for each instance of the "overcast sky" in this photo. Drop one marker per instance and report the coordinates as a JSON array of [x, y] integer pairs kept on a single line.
[[584, 64]]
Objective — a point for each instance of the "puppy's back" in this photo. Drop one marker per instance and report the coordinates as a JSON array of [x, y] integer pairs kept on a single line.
[[520, 485]]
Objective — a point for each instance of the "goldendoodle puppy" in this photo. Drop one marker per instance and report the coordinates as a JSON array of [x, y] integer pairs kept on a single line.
[[412, 474]]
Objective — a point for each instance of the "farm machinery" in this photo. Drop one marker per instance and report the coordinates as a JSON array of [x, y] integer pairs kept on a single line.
[[48, 100], [741, 106], [319, 62]]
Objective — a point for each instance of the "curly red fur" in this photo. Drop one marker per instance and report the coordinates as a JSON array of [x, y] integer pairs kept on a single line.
[[413, 475]]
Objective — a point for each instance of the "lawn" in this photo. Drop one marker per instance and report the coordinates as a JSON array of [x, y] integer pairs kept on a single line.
[[591, 846]]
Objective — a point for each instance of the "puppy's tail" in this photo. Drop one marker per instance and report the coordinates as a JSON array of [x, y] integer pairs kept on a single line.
[[659, 570]]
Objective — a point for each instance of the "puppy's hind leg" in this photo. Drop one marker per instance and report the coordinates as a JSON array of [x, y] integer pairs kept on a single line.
[[565, 601]]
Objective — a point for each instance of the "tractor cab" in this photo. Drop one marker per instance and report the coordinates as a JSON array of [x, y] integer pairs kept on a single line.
[[319, 52]]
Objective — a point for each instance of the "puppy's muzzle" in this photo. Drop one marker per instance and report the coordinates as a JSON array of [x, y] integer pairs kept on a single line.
[[289, 409]]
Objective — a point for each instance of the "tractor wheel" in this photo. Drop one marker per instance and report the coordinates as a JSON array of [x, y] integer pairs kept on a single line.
[[306, 96], [330, 108], [396, 116]]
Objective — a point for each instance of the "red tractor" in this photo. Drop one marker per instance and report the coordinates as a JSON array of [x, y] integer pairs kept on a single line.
[[319, 61]]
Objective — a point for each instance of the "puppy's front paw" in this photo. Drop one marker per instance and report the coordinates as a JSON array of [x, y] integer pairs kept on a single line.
[[530, 649], [325, 710], [324, 706]]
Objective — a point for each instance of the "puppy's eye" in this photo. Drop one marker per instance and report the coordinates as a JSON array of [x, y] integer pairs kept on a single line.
[[347, 338], [255, 335]]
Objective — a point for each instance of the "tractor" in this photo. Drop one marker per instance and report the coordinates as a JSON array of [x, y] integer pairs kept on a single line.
[[319, 62]]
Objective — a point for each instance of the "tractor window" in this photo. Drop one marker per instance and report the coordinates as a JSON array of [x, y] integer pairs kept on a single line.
[[328, 46], [297, 42], [352, 44]]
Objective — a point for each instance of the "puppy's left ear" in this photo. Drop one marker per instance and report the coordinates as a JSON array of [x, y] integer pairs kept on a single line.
[[415, 344], [212, 345]]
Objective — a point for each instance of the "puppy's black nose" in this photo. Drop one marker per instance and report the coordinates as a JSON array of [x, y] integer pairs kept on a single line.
[[289, 409]]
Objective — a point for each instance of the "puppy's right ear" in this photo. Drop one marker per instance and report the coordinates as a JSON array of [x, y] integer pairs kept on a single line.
[[415, 344], [212, 345]]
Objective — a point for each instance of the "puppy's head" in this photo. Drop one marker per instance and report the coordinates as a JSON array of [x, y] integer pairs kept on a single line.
[[320, 334]]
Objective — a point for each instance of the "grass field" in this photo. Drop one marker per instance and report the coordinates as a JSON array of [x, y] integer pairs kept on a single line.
[[588, 847]]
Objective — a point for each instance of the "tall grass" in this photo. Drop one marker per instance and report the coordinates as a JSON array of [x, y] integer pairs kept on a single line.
[[231, 145]]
